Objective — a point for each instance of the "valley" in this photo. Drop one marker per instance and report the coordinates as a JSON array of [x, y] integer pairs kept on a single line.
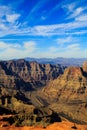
[[42, 94]]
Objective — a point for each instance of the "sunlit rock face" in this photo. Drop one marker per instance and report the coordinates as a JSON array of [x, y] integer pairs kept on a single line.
[[68, 93]]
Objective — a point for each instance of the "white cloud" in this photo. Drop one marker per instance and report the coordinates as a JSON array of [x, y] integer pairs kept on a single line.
[[52, 49], [9, 24], [57, 29], [64, 40], [6, 46], [29, 49], [69, 7], [8, 20], [30, 46], [82, 18], [4, 10], [3, 26], [17, 46], [12, 17], [3, 45], [68, 52], [71, 50], [73, 9], [76, 12], [46, 30], [14, 50], [73, 47]]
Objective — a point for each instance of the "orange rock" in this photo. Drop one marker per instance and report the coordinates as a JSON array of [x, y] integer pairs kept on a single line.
[[65, 125]]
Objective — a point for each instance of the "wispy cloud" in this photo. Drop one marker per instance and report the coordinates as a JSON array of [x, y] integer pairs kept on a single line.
[[29, 49], [12, 50], [3, 45], [30, 45], [53, 49], [59, 29], [10, 25], [69, 7], [35, 9], [8, 20], [46, 30], [73, 47], [74, 9], [55, 8], [11, 18], [65, 40], [6, 13], [76, 12], [37, 23], [82, 18], [71, 50]]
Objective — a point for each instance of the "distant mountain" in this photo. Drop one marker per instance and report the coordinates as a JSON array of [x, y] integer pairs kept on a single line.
[[59, 60]]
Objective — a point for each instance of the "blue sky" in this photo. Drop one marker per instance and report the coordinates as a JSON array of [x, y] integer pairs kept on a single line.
[[43, 28]]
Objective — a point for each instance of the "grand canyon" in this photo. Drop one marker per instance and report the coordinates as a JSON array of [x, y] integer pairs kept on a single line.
[[38, 95], [43, 64]]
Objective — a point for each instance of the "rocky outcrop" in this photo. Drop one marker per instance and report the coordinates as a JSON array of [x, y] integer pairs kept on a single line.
[[17, 77], [64, 125], [65, 94], [27, 75], [29, 71], [69, 85], [68, 94], [11, 80], [84, 66]]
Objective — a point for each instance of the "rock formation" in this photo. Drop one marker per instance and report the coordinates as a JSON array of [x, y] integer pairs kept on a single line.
[[67, 94], [64, 94], [27, 75]]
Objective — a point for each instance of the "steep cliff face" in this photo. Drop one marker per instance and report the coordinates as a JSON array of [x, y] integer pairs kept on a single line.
[[6, 77], [25, 74], [67, 94], [72, 84], [11, 80], [34, 71], [84, 66]]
